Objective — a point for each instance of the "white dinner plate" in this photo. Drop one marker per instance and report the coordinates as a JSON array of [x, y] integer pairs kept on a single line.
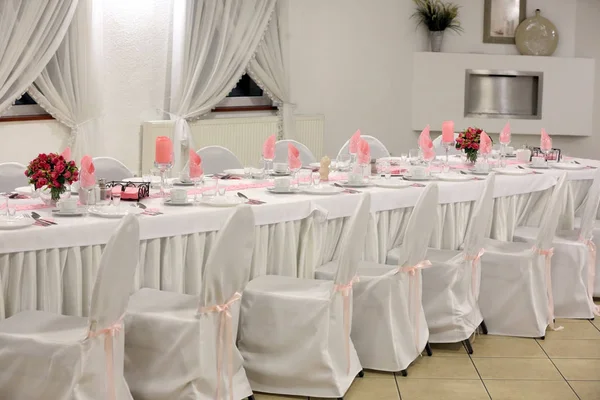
[[566, 166], [475, 172], [169, 202], [16, 222], [24, 190], [391, 160], [512, 171], [222, 201], [355, 184], [115, 212], [239, 172], [538, 166], [139, 179], [318, 165], [419, 179], [275, 173], [283, 191], [77, 213], [450, 177], [392, 183], [322, 190], [177, 182]]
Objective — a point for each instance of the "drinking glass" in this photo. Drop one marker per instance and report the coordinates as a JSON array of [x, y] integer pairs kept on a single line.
[[384, 168], [247, 172], [221, 189], [316, 179], [295, 178], [209, 189], [11, 208], [116, 199], [413, 156], [343, 162], [197, 180], [305, 177]]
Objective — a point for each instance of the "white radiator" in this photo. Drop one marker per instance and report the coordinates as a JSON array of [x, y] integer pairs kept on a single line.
[[243, 136]]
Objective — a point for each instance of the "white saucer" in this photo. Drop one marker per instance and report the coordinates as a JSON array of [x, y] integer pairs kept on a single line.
[[239, 172], [355, 185], [222, 201], [568, 166], [77, 213], [24, 190], [115, 212], [324, 190], [177, 182], [169, 202], [288, 173], [16, 222], [392, 183], [512, 171], [415, 179], [450, 177], [475, 172], [283, 191]]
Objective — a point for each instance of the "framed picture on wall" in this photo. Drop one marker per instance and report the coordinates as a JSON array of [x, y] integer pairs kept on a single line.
[[500, 20]]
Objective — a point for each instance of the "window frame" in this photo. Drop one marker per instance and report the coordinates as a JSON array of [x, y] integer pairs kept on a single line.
[[25, 112]]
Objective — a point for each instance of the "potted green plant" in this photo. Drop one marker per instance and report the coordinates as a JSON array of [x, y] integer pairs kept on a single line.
[[437, 16]]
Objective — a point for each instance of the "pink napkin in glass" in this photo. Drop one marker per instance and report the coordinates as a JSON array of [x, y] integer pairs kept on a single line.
[[485, 143], [353, 148], [66, 154], [87, 176], [363, 152], [293, 157], [195, 163], [269, 148], [545, 141], [425, 139], [505, 134]]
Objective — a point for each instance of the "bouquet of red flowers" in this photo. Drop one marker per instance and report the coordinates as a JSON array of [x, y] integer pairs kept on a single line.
[[53, 171], [468, 141]]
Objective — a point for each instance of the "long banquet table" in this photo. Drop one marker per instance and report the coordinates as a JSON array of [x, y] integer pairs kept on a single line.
[[53, 268]]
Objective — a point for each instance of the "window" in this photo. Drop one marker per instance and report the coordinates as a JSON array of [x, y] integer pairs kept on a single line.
[[25, 109], [246, 96]]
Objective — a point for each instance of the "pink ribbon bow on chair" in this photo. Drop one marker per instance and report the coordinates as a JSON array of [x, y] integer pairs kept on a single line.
[[548, 253], [474, 259], [345, 290], [109, 333], [591, 272], [225, 335]]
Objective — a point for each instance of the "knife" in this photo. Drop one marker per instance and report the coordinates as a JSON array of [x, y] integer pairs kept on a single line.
[[39, 218], [347, 190]]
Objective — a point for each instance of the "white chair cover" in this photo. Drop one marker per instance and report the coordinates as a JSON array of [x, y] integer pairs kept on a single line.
[[439, 149], [574, 261], [295, 333], [516, 290], [111, 169], [50, 356], [12, 175], [177, 345], [281, 152], [216, 159], [378, 150]]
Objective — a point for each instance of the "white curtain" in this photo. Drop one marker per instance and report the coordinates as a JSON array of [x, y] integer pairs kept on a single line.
[[269, 70], [213, 42], [30, 33], [69, 87]]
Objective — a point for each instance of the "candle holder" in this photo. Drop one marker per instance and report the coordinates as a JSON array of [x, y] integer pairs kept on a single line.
[[163, 168], [446, 146]]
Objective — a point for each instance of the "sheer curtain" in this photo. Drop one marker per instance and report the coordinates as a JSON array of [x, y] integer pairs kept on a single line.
[[30, 33], [213, 41], [69, 87], [269, 70]]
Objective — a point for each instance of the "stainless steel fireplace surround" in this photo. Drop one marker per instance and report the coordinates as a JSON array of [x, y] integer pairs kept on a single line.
[[503, 94]]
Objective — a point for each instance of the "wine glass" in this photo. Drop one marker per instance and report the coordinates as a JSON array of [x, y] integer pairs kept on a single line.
[[316, 179], [197, 180]]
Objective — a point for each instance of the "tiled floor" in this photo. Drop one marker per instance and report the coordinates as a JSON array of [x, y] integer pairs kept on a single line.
[[565, 366]]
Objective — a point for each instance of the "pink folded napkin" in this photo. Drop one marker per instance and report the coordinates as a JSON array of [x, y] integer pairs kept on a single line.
[[363, 152], [66, 154], [448, 132], [353, 149], [485, 143], [269, 148], [424, 138], [294, 157], [505, 134], [545, 141], [195, 164], [87, 176]]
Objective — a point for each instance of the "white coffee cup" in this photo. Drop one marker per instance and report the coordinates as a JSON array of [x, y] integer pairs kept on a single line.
[[355, 178], [510, 150], [481, 166], [283, 183], [280, 167], [178, 195], [523, 155], [67, 205], [418, 172], [538, 161]]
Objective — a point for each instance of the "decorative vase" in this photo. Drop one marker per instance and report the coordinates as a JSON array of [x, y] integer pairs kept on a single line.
[[536, 36], [471, 156], [436, 38]]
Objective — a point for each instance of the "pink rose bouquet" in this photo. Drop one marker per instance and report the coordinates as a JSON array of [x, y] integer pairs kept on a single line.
[[469, 141], [53, 171]]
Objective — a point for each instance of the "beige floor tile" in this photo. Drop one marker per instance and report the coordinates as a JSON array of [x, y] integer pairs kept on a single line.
[[448, 350], [441, 389], [370, 374], [579, 370], [574, 329], [503, 346], [596, 322], [374, 388], [441, 367], [586, 390], [571, 348], [517, 368], [263, 396], [529, 390]]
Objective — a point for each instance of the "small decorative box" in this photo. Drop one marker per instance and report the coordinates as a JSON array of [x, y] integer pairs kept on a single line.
[[134, 191], [553, 155]]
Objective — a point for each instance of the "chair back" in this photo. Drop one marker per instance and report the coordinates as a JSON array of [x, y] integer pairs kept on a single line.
[[216, 159], [480, 219], [12, 175], [592, 201], [281, 152], [114, 280], [378, 150], [552, 214], [353, 241], [439, 149], [111, 169], [227, 268], [419, 227]]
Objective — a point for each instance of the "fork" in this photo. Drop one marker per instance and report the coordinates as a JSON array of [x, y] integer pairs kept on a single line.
[[347, 190]]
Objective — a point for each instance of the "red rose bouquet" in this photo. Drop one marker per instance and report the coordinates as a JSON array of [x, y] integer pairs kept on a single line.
[[469, 141], [52, 171]]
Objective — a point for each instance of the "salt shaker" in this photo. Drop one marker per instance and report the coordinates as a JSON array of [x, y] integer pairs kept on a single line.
[[103, 189]]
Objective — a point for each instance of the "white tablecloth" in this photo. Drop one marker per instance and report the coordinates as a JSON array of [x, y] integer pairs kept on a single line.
[[53, 268]]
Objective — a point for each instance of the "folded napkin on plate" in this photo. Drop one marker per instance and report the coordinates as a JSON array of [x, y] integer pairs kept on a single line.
[[269, 148], [545, 141], [505, 134], [363, 152], [485, 143], [426, 144], [353, 145], [195, 165], [294, 157], [87, 176], [66, 154]]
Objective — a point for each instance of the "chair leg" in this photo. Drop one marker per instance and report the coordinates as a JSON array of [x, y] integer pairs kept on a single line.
[[428, 349], [467, 345], [483, 328], [543, 338], [361, 373], [404, 372], [251, 397]]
